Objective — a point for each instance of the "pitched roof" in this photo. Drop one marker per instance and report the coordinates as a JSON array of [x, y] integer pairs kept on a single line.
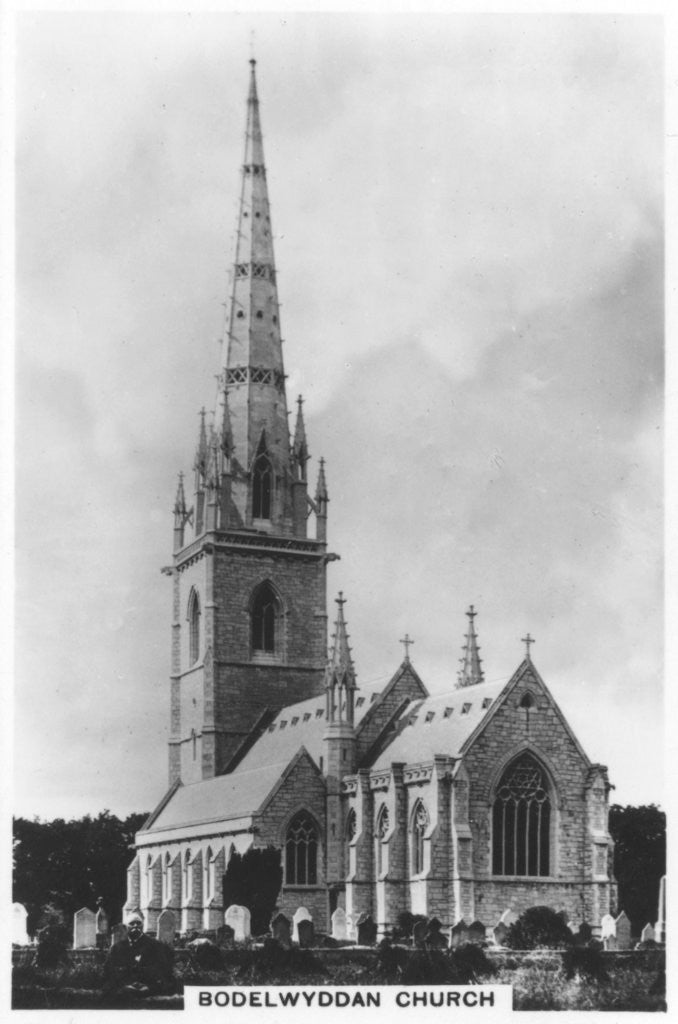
[[222, 798], [304, 724], [440, 724]]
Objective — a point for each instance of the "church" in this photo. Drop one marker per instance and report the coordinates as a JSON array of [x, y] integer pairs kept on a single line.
[[381, 799]]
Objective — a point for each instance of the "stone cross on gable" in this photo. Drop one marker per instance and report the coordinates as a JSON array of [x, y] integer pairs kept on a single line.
[[407, 643], [528, 641]]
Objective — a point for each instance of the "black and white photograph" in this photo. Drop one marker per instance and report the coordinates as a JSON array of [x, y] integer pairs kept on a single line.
[[338, 587]]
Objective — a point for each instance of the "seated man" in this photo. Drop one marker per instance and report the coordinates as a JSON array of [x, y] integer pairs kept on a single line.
[[139, 965]]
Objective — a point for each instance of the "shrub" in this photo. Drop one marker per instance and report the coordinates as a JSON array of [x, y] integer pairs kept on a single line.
[[584, 962], [539, 928], [469, 964]]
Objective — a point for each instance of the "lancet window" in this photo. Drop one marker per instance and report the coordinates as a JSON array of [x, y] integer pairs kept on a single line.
[[521, 820], [301, 851]]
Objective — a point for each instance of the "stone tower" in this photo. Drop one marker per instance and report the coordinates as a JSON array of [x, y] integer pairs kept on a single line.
[[249, 632]]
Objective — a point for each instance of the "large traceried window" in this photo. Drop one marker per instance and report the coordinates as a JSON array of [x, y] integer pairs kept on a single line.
[[265, 620], [419, 827], [193, 628], [301, 851], [521, 820]]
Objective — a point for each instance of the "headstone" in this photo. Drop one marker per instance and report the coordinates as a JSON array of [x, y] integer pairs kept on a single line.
[[419, 934], [499, 933], [339, 930], [167, 927], [610, 942], [434, 937], [660, 929], [84, 929], [508, 918], [476, 932], [19, 933], [300, 914], [306, 933], [118, 933], [225, 935], [458, 933], [647, 934], [352, 927], [281, 930], [239, 920], [367, 930], [583, 936], [608, 928], [623, 926], [103, 936]]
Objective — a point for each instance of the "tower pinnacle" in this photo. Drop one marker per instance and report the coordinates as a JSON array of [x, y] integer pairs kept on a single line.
[[470, 672]]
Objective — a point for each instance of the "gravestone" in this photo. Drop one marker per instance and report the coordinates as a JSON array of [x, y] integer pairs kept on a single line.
[[476, 932], [225, 935], [367, 930], [434, 937], [508, 918], [167, 927], [103, 936], [352, 927], [339, 929], [499, 933], [19, 933], [607, 926], [84, 929], [281, 930], [583, 936], [458, 933], [623, 926], [306, 933], [419, 934], [300, 914], [239, 920], [660, 929], [118, 933], [647, 934]]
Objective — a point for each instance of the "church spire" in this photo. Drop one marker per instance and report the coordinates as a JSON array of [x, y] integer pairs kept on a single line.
[[470, 672], [300, 447], [340, 679]]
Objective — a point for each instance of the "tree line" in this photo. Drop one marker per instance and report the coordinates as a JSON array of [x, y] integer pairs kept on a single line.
[[66, 865]]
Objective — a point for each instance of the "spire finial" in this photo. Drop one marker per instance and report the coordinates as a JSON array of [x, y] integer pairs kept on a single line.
[[528, 641], [471, 671], [407, 643]]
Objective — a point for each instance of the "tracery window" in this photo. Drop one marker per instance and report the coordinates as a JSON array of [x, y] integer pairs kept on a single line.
[[380, 833], [419, 827], [521, 820], [193, 628], [301, 851], [265, 614]]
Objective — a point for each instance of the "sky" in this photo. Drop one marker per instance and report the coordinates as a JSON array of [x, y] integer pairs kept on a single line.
[[468, 220]]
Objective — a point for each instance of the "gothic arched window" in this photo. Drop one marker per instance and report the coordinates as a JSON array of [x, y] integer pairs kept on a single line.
[[262, 487], [521, 820], [301, 851], [380, 833], [265, 616], [351, 826], [167, 879], [193, 628], [419, 827]]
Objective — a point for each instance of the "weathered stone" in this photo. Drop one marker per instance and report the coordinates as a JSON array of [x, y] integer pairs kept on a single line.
[[608, 927], [225, 935], [19, 933], [508, 918], [458, 933], [419, 934], [647, 934], [84, 929], [118, 933], [434, 938], [476, 932], [623, 929], [281, 930], [306, 933], [499, 934], [167, 927], [300, 914], [339, 928], [239, 920], [367, 930]]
